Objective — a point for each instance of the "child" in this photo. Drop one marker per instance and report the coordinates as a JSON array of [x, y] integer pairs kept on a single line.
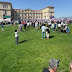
[[16, 36], [2, 27], [47, 32]]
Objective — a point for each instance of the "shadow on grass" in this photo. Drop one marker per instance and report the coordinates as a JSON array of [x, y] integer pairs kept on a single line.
[[7, 30], [24, 30], [51, 36], [23, 41]]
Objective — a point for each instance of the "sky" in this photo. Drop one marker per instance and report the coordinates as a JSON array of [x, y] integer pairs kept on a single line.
[[63, 8]]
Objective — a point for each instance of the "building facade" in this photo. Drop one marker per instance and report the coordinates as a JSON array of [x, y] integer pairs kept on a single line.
[[7, 12]]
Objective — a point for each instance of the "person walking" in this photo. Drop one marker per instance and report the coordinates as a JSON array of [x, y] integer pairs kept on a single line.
[[2, 26]]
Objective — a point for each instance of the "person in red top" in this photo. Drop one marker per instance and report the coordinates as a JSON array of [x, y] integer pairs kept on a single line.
[[24, 23]]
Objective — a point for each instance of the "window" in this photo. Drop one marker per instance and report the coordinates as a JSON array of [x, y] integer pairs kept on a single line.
[[25, 14], [19, 14], [36, 14], [5, 12], [22, 14], [5, 6], [22, 11], [16, 14], [50, 9], [28, 15]]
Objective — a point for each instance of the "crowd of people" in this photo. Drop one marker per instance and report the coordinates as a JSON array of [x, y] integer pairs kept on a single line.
[[45, 26]]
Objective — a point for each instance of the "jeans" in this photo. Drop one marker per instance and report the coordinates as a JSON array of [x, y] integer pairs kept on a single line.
[[43, 33], [16, 40]]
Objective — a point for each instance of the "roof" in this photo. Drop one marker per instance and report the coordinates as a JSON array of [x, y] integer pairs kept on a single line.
[[5, 2], [48, 7], [23, 9], [51, 6], [36, 10], [18, 9]]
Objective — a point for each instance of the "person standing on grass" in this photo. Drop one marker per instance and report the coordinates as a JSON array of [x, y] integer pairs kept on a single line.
[[2, 26], [14, 23], [16, 36], [36, 24], [43, 31], [47, 32], [25, 25], [28, 25]]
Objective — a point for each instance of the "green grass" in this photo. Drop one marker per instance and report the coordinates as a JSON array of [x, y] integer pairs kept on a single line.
[[33, 54]]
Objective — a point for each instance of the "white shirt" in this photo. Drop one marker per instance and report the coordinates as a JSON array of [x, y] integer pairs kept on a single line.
[[28, 24], [64, 24], [16, 34], [36, 24], [59, 25], [43, 28], [52, 25], [49, 23]]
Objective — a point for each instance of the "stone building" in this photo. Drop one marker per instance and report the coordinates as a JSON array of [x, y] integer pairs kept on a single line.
[[7, 12]]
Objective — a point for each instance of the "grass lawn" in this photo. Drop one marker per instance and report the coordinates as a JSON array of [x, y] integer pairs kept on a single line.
[[32, 53]]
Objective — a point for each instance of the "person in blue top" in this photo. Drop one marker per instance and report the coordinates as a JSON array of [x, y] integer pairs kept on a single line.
[[2, 26], [67, 30]]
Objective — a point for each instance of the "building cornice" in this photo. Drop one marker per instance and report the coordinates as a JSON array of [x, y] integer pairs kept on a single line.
[[5, 2]]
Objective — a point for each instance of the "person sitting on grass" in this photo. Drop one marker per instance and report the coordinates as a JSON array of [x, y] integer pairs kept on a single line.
[[43, 30], [64, 29], [16, 36], [70, 67], [52, 66], [59, 27]]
